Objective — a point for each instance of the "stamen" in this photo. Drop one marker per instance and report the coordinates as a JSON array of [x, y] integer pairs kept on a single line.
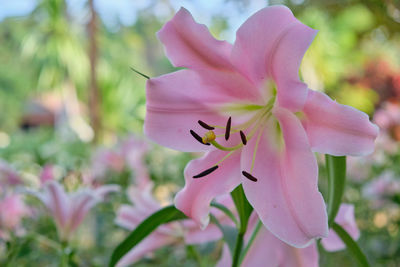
[[198, 137], [228, 128], [206, 172], [249, 176], [225, 157], [205, 125], [243, 137]]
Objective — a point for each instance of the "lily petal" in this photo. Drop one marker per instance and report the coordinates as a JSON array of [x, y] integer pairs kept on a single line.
[[104, 190], [195, 198], [194, 235], [175, 103], [344, 218], [129, 217], [286, 195], [337, 129], [190, 45], [268, 248], [82, 202], [58, 203], [143, 199], [149, 244], [271, 45], [226, 258], [268, 251]]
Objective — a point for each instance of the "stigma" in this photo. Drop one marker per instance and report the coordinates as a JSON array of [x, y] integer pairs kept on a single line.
[[209, 137]]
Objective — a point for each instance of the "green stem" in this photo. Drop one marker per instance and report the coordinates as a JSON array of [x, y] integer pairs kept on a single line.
[[64, 258], [238, 249], [244, 210]]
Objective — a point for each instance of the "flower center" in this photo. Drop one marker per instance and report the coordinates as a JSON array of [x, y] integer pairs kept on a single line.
[[253, 127]]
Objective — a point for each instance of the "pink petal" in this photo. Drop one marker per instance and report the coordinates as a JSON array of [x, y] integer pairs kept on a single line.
[[102, 191], [337, 129], [175, 103], [195, 198], [300, 257], [47, 174], [58, 203], [226, 258], [286, 195], [12, 209], [267, 250], [271, 45], [82, 202], [149, 244], [345, 218], [190, 45], [194, 235], [129, 217], [143, 200]]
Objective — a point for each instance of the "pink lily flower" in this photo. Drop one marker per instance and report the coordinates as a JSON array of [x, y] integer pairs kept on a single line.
[[245, 105], [69, 209], [381, 189], [267, 250], [8, 175], [12, 210], [187, 231], [128, 154], [47, 174]]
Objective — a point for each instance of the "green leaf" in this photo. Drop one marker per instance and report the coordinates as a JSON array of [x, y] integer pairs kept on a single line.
[[242, 205], [351, 245], [164, 215], [336, 169]]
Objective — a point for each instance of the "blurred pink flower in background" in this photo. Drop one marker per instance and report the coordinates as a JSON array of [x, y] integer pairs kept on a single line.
[[358, 169], [69, 209], [47, 174], [128, 154], [387, 116], [187, 231], [268, 142], [106, 159], [346, 219], [381, 188], [134, 151], [268, 251], [8, 175], [12, 210]]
